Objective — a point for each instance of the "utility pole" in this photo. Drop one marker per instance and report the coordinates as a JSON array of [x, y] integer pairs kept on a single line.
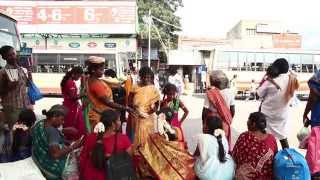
[[149, 39]]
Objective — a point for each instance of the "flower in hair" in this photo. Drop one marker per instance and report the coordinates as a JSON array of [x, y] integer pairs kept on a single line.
[[19, 126], [99, 128], [219, 132]]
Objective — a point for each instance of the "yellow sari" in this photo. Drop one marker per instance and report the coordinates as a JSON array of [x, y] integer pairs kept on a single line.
[[144, 98]]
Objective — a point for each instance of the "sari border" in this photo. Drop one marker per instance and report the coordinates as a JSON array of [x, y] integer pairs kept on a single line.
[[153, 142]]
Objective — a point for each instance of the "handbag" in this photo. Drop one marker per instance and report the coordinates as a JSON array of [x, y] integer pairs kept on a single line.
[[34, 92], [119, 165]]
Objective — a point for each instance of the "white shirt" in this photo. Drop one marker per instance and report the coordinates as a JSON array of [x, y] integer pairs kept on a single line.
[[177, 81], [228, 97], [274, 105]]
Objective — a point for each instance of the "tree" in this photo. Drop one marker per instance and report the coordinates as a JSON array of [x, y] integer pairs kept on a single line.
[[164, 10]]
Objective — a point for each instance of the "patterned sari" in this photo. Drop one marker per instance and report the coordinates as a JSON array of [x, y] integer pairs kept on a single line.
[[167, 159], [144, 97], [255, 156], [51, 168], [223, 111]]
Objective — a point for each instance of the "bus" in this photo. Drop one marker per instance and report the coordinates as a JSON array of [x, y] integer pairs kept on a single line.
[[8, 34], [249, 65]]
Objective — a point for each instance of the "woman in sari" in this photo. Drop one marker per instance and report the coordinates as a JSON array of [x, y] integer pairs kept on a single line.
[[213, 160], [71, 98], [313, 104], [49, 151], [98, 92], [219, 102], [254, 150], [145, 100]]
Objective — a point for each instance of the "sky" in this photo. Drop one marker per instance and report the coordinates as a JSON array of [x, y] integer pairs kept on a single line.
[[214, 18]]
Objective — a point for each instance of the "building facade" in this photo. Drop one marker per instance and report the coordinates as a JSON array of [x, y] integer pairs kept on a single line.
[[65, 33]]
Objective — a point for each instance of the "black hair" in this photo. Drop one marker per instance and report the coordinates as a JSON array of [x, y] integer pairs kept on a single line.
[[67, 76], [214, 123], [260, 121], [27, 117], [282, 65], [144, 71], [168, 88], [108, 117], [55, 111], [93, 67], [168, 112], [279, 66], [5, 49], [22, 137], [110, 73]]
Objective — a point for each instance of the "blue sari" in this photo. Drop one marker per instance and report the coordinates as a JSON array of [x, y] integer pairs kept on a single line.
[[314, 83]]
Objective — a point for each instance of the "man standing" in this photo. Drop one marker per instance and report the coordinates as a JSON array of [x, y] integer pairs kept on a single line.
[[13, 86]]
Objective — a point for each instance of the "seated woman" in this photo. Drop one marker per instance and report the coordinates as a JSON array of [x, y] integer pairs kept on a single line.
[[212, 158], [99, 145], [22, 142], [49, 151], [254, 150]]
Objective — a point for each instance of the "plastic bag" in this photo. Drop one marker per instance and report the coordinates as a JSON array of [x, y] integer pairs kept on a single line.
[[303, 133], [34, 92], [71, 169]]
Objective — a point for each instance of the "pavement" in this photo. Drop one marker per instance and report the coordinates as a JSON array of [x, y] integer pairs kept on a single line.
[[193, 124]]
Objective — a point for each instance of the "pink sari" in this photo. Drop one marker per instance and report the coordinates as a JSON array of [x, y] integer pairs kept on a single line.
[[74, 117]]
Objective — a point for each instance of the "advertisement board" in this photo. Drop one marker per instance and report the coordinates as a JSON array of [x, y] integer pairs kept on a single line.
[[286, 41], [73, 16], [86, 44]]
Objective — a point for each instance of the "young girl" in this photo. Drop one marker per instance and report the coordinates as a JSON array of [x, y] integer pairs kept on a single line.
[[171, 100], [99, 145], [21, 146]]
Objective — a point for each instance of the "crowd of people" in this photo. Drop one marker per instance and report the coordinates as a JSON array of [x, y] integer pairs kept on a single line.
[[91, 118]]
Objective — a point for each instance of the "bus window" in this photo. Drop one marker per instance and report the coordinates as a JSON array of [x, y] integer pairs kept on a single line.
[[8, 34]]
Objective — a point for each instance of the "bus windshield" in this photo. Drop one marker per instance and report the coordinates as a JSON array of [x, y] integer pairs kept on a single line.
[[8, 33]]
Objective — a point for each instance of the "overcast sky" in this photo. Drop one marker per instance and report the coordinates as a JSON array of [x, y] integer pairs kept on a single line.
[[214, 18]]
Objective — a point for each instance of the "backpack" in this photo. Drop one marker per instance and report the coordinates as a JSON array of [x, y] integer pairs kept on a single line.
[[119, 165], [313, 150], [290, 165]]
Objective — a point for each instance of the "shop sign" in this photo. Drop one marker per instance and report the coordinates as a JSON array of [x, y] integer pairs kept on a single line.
[[92, 44], [110, 45], [74, 45]]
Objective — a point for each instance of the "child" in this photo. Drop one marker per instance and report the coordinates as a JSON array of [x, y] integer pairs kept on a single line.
[[164, 128], [171, 100], [21, 146]]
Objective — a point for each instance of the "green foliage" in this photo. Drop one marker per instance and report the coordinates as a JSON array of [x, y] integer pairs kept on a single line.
[[164, 10]]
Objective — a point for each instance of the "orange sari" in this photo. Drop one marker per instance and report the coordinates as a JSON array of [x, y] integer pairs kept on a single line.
[[97, 89]]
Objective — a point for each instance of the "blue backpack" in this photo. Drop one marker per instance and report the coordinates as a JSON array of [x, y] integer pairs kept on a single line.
[[290, 165]]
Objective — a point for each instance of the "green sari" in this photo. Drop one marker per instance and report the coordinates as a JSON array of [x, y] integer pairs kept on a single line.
[[51, 168]]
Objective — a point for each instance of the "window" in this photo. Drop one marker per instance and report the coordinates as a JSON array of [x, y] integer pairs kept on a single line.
[[251, 32]]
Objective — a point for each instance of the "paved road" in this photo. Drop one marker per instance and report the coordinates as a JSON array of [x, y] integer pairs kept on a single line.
[[192, 125]]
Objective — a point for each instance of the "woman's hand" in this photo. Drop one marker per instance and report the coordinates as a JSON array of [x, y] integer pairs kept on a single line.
[[78, 143]]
